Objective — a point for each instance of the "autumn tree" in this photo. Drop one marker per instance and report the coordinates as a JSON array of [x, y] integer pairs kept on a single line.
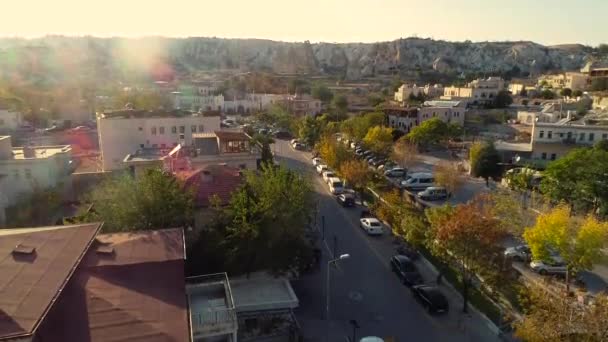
[[448, 175], [356, 173], [358, 126], [577, 240], [154, 200], [406, 220], [404, 152], [379, 139], [550, 318], [333, 154], [470, 236]]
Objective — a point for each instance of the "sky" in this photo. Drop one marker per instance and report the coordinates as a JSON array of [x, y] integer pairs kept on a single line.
[[544, 21]]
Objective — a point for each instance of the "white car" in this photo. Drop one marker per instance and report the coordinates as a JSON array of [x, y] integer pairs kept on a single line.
[[554, 266], [327, 175], [518, 253], [316, 161], [371, 339], [395, 172], [322, 168], [336, 187], [372, 226]]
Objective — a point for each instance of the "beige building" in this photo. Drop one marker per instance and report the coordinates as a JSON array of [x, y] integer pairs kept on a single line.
[[300, 104], [405, 119], [124, 131], [572, 80], [24, 170], [477, 92], [406, 90]]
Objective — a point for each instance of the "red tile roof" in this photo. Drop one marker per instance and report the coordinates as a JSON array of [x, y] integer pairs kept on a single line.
[[29, 284], [220, 180], [135, 292]]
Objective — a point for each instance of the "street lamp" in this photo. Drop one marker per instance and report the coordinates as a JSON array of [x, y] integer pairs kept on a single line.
[[333, 261]]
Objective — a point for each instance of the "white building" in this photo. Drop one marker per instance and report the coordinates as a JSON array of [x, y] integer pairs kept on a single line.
[[551, 141], [24, 170], [406, 90], [251, 103], [9, 120], [124, 131]]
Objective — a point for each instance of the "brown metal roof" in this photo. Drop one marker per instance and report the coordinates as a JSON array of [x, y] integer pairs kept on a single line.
[[132, 289], [29, 283]]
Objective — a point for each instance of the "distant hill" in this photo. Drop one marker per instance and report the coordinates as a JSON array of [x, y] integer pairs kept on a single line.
[[55, 58]]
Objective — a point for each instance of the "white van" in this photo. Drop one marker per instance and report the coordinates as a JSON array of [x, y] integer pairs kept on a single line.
[[418, 181], [336, 186]]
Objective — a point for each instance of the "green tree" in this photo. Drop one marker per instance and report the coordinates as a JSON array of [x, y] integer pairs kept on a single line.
[[374, 100], [484, 159], [379, 139], [580, 179], [547, 94], [601, 145], [470, 236], [567, 92], [433, 131], [502, 100], [154, 200], [577, 93], [578, 241], [310, 131], [264, 142], [340, 104], [405, 220], [322, 92], [603, 49], [357, 126]]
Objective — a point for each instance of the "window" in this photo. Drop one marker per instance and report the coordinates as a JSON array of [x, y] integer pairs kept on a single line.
[[605, 136], [140, 129], [591, 136], [561, 135], [28, 173], [182, 129], [550, 135], [153, 130], [174, 130], [193, 128], [201, 128], [182, 137], [581, 136], [541, 134], [553, 156], [543, 156], [141, 145], [569, 136], [161, 130]]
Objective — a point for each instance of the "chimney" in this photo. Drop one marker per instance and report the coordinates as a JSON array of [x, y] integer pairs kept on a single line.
[[206, 176]]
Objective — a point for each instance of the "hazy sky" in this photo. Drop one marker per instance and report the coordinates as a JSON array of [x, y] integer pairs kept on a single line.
[[543, 21]]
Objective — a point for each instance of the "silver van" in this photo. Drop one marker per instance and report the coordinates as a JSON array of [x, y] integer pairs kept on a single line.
[[418, 181], [434, 193]]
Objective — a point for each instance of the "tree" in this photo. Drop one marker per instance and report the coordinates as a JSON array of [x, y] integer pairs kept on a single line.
[[583, 106], [577, 93], [566, 92], [503, 99], [448, 175], [154, 200], [484, 159], [547, 94], [340, 104], [374, 100], [379, 139], [322, 92], [333, 154], [578, 241], [310, 131], [601, 145], [405, 152], [469, 235], [603, 49], [356, 173], [405, 220], [264, 141], [550, 318], [356, 127], [507, 208], [580, 179], [431, 131]]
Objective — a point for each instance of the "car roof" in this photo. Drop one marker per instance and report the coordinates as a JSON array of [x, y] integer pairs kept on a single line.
[[346, 194], [421, 174], [334, 179], [371, 219], [435, 188], [402, 258], [371, 339]]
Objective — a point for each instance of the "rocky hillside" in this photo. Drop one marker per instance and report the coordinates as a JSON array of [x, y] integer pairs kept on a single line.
[[62, 57]]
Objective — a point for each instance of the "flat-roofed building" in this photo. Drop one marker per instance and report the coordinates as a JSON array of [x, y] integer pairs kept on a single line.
[[124, 131]]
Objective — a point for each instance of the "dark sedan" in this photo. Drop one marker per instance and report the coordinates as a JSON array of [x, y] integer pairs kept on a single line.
[[346, 199], [431, 298], [406, 270]]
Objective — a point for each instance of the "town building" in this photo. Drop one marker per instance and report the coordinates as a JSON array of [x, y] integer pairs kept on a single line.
[[406, 118], [571, 80], [122, 132], [250, 103], [406, 90], [477, 92], [300, 104], [24, 170], [10, 120], [595, 70], [551, 112], [197, 96]]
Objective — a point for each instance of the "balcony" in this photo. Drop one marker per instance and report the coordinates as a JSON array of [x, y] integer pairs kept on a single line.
[[212, 311]]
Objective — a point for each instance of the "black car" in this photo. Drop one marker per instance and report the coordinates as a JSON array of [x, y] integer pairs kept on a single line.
[[406, 270], [431, 298], [409, 251], [366, 214], [284, 135], [347, 200]]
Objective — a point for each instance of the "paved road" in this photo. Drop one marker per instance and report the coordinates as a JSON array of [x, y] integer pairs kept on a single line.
[[363, 287]]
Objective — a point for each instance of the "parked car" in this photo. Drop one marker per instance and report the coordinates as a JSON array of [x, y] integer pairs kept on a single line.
[[282, 135], [431, 298], [299, 146], [434, 193], [293, 141], [395, 172], [372, 226], [405, 269], [327, 175], [554, 266], [346, 199], [371, 339], [353, 145], [336, 186], [316, 161], [408, 251], [378, 161], [322, 168], [518, 253], [418, 181]]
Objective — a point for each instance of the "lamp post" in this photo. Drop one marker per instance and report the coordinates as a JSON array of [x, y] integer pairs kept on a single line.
[[341, 257]]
